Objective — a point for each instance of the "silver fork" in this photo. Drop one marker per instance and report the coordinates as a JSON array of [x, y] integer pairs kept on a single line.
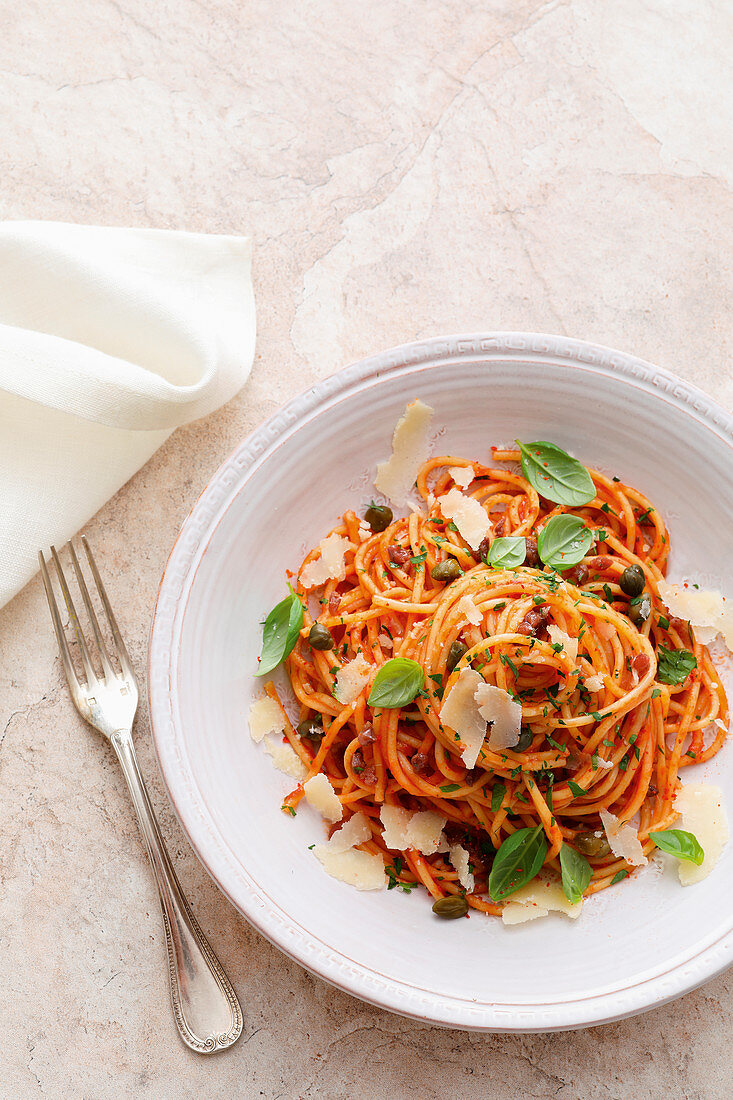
[[205, 1006]]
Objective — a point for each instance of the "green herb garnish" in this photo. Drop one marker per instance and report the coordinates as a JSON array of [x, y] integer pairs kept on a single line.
[[280, 633], [397, 683], [563, 541], [555, 474]]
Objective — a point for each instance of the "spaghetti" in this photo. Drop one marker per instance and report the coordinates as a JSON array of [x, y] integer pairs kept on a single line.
[[601, 731]]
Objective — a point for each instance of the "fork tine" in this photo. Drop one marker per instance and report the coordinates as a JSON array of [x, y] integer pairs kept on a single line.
[[108, 670], [92, 680], [121, 647], [71, 676]]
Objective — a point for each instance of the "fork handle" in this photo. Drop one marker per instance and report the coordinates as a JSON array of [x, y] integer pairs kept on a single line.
[[205, 1006]]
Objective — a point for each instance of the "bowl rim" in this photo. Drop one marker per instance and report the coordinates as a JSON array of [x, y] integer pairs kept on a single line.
[[211, 847]]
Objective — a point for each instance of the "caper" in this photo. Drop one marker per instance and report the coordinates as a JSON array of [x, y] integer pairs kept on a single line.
[[320, 637], [378, 516], [640, 610], [448, 570], [591, 845], [311, 728], [632, 580], [525, 740], [450, 908], [456, 651]]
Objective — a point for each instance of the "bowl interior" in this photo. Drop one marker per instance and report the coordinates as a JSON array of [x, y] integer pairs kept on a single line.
[[283, 495]]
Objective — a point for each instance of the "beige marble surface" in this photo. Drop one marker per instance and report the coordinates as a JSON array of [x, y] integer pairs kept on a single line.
[[405, 169]]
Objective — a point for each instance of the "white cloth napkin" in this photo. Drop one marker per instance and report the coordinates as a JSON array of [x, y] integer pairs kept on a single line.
[[109, 340]]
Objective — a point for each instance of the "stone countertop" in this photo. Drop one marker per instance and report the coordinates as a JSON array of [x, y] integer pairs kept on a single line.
[[404, 170]]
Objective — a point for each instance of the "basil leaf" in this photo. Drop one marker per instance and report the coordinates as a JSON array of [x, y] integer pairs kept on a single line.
[[619, 877], [397, 683], [517, 862], [679, 844], [675, 665], [280, 633], [564, 541], [508, 553], [576, 873], [555, 475]]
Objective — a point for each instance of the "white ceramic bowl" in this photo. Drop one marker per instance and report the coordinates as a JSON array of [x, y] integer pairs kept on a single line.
[[635, 946]]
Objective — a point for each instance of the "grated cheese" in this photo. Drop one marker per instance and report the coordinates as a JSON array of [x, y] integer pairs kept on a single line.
[[460, 714], [701, 807], [462, 475], [351, 679], [265, 717], [285, 758], [410, 445], [329, 566], [708, 611], [559, 637], [623, 840], [322, 797], [498, 707], [467, 607], [355, 831], [365, 531], [468, 515], [539, 897], [459, 858]]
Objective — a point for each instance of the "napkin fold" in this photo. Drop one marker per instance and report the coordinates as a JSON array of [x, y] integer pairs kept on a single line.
[[109, 340]]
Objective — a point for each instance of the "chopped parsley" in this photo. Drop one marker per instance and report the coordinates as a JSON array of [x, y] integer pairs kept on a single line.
[[576, 788]]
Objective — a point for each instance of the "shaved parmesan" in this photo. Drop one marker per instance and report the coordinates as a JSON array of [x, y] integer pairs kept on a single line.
[[459, 858], [559, 637], [605, 764], [539, 897], [351, 679], [410, 446], [329, 566], [594, 683], [355, 831], [322, 797], [623, 840], [468, 515], [462, 475], [707, 610], [517, 913], [342, 861], [425, 831], [701, 807], [395, 821], [505, 714], [460, 714], [365, 531], [364, 870], [404, 829], [265, 717], [285, 758], [467, 607]]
